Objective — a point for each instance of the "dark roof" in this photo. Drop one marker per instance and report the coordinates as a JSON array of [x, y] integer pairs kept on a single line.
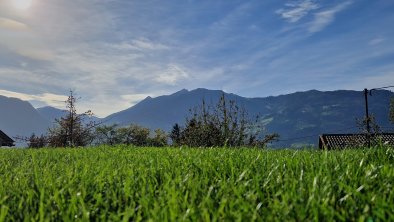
[[5, 140], [340, 141]]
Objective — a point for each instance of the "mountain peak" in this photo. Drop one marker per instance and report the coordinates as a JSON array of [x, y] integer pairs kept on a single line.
[[180, 92]]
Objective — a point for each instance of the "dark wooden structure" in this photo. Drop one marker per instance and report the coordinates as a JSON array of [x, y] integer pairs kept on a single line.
[[341, 141], [5, 140]]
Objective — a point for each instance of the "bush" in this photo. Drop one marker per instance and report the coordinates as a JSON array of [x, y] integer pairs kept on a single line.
[[225, 124], [37, 141]]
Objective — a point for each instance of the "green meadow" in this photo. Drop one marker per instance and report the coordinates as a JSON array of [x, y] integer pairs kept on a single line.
[[123, 183]]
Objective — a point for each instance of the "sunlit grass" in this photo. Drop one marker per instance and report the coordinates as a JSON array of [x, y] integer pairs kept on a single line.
[[169, 184]]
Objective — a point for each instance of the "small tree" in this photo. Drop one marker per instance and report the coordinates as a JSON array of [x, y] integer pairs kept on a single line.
[[139, 135], [70, 130]]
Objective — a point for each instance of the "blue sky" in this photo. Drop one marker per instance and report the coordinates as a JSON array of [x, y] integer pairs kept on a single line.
[[114, 53]]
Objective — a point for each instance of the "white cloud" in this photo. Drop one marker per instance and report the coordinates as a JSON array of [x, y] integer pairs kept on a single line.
[[296, 11], [172, 75], [324, 18], [47, 98]]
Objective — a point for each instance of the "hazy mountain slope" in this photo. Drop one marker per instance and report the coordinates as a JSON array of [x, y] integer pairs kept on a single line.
[[19, 118], [51, 113]]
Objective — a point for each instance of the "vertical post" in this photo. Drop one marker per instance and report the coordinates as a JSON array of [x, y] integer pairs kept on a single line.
[[367, 136]]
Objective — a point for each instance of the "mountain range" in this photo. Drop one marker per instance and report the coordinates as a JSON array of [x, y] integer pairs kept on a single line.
[[298, 117]]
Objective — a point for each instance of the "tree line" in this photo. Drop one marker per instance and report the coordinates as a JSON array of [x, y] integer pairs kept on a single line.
[[224, 124]]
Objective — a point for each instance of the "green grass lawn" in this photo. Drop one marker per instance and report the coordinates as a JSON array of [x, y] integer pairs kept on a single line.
[[171, 184]]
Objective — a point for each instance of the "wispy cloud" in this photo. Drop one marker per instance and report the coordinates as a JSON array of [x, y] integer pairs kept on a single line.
[[233, 17], [324, 18], [295, 11], [121, 50], [47, 98], [376, 41], [146, 44], [141, 44], [378, 80], [172, 75]]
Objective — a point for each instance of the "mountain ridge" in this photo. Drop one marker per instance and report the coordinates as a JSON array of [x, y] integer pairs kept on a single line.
[[291, 115]]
